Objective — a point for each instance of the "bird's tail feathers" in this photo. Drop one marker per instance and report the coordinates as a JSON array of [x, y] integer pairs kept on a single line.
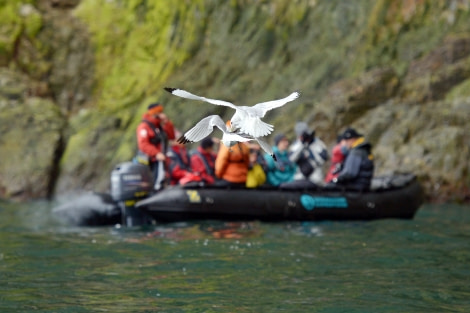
[[266, 147], [256, 127]]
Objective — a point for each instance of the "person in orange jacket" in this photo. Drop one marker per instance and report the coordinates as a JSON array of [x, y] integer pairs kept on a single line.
[[153, 134], [231, 165]]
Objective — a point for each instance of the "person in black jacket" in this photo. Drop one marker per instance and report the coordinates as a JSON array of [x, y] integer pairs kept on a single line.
[[358, 168]]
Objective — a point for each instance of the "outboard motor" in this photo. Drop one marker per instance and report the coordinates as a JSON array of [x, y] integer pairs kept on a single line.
[[131, 182]]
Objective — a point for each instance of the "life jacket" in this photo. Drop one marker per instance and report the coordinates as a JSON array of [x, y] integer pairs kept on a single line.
[[208, 168], [243, 157], [160, 135], [159, 138], [232, 163], [179, 161]]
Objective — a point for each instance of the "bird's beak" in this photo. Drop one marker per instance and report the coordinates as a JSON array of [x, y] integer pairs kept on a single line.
[[229, 126]]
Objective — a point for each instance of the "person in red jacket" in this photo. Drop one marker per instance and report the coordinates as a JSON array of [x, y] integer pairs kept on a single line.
[[203, 161], [179, 162], [338, 155], [153, 134]]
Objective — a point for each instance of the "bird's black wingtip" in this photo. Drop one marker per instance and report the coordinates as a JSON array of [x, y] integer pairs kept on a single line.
[[170, 90], [183, 140]]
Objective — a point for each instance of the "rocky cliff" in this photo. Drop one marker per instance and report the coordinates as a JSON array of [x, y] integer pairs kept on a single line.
[[75, 76]]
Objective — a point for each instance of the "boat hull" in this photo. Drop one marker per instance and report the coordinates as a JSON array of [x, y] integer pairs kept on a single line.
[[180, 204]]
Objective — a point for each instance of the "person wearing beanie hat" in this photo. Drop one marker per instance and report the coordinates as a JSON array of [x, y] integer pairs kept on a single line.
[[301, 128], [358, 168], [153, 133], [207, 143], [278, 138], [310, 154], [154, 109], [282, 170]]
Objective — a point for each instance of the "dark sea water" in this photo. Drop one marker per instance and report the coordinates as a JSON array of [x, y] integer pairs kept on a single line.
[[419, 265]]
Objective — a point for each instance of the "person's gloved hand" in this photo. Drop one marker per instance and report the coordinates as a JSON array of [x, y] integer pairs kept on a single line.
[[160, 156], [338, 179]]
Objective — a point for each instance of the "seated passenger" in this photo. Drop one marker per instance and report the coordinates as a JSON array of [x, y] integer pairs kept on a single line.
[[256, 171], [231, 165], [282, 170], [202, 163], [179, 164], [309, 153], [338, 155], [358, 167]]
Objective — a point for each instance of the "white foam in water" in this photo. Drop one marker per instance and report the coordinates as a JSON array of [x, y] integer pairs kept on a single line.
[[77, 208]]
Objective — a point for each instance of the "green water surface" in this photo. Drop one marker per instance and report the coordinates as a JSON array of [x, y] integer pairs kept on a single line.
[[419, 265]]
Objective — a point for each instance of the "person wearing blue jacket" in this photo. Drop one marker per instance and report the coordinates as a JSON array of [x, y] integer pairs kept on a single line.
[[358, 168], [282, 170]]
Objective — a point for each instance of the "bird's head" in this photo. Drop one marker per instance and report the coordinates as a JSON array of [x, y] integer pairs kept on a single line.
[[229, 126]]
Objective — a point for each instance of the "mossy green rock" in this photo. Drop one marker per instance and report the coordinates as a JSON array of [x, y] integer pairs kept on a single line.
[[396, 70], [31, 141]]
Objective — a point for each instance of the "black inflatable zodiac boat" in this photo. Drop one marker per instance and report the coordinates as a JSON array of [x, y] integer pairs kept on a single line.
[[131, 202]]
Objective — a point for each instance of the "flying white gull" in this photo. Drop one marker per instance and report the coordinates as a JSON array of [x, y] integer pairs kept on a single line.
[[246, 119], [229, 138]]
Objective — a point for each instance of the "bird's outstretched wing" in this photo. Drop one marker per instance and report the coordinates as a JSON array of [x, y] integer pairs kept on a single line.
[[203, 129], [260, 109], [185, 94]]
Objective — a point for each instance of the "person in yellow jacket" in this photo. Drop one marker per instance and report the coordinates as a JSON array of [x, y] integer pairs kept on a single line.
[[256, 172], [231, 165]]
